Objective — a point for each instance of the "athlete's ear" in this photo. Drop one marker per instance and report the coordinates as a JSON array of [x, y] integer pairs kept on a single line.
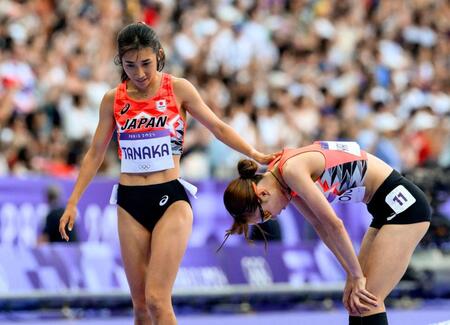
[[260, 192], [264, 193]]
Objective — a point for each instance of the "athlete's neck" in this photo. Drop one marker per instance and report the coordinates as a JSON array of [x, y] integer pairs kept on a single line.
[[284, 188]]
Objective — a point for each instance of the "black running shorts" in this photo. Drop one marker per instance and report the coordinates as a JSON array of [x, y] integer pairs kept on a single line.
[[398, 201], [148, 203]]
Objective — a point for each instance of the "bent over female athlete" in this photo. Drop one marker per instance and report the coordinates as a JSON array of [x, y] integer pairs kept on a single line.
[[311, 178]]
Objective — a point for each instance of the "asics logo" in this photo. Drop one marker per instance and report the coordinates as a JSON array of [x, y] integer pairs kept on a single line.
[[164, 200], [125, 109]]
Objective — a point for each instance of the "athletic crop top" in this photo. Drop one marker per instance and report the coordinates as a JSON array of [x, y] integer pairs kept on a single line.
[[149, 131], [345, 169]]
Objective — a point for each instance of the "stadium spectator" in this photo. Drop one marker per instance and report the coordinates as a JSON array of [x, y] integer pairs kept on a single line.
[[316, 67]]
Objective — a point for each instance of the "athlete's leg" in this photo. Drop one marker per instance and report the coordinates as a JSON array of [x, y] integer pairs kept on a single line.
[[135, 249], [362, 257], [169, 241], [388, 257], [366, 245]]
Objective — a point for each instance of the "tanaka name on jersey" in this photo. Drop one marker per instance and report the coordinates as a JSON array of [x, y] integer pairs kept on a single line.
[[144, 122], [145, 152]]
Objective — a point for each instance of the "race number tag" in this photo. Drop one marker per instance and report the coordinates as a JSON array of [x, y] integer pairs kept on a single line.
[[353, 195], [192, 189], [113, 197], [146, 152], [350, 147], [400, 199]]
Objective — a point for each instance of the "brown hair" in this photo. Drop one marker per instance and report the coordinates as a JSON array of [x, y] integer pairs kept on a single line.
[[137, 36], [240, 199]]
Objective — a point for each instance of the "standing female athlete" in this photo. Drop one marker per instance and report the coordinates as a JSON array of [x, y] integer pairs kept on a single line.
[[148, 110], [314, 176]]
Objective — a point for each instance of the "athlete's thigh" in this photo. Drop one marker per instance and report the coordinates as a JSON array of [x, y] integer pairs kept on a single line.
[[366, 245], [169, 241], [389, 256], [135, 248]]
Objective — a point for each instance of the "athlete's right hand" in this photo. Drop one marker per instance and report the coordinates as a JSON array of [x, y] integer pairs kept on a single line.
[[67, 219], [264, 159]]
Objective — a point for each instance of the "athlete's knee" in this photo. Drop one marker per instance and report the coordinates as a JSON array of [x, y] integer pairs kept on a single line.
[[158, 303], [377, 290], [141, 311]]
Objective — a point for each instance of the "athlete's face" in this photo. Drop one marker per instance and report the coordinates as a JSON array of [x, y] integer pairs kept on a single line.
[[271, 201], [140, 66]]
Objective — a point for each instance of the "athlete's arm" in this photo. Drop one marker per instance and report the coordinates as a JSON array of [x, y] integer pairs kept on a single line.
[[351, 305], [319, 228], [194, 104], [298, 176], [92, 160]]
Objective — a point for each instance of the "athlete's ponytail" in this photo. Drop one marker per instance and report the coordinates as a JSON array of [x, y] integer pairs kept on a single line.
[[240, 199], [247, 169]]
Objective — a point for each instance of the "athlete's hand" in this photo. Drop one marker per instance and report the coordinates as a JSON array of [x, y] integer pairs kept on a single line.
[[67, 219], [358, 299], [346, 295], [264, 159]]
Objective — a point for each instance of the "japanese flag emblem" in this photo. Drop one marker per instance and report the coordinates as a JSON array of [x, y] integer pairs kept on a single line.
[[161, 105]]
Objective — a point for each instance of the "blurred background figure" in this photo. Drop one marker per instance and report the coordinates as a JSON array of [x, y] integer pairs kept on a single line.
[[50, 232], [272, 232]]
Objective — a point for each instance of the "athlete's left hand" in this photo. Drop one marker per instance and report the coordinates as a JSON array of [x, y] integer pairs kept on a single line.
[[264, 159], [360, 300]]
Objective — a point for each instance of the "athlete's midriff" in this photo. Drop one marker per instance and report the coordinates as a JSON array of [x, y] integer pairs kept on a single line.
[[158, 177], [377, 172]]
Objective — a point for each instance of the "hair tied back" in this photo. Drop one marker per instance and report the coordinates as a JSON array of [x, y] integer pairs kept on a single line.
[[247, 168]]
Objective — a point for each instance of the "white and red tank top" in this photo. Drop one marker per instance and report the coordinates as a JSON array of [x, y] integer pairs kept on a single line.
[[149, 131], [345, 169]]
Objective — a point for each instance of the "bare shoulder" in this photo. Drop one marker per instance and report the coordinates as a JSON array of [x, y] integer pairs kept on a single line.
[[311, 164], [182, 87], [109, 97]]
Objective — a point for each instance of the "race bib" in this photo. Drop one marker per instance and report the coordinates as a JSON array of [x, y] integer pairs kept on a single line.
[[399, 199], [144, 152], [350, 147]]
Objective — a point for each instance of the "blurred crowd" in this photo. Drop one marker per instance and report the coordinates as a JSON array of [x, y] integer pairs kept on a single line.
[[282, 73]]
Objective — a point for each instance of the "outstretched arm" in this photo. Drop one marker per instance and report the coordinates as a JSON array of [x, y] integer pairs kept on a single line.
[[91, 162], [195, 105]]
